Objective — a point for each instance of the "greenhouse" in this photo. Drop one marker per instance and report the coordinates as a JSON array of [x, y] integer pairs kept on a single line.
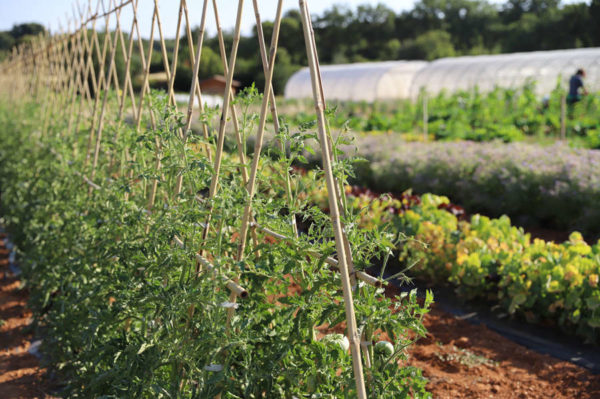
[[405, 79], [368, 81]]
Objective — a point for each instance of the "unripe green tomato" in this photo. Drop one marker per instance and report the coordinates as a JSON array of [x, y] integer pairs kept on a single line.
[[337, 339], [385, 348]]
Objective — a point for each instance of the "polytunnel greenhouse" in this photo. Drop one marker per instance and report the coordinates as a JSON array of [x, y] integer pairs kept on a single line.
[[405, 79], [368, 81]]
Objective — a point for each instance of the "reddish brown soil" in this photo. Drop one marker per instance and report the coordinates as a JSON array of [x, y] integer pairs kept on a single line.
[[20, 373], [462, 360]]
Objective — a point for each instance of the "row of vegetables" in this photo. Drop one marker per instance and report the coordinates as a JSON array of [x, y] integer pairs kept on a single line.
[[492, 260], [503, 114], [124, 311], [555, 186]]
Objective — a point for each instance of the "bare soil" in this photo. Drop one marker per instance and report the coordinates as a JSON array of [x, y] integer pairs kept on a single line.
[[463, 360], [20, 373]]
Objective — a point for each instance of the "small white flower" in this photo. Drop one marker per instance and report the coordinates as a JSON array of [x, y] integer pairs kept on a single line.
[[229, 305]]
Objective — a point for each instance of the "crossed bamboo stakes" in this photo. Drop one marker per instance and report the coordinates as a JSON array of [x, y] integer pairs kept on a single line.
[[59, 71]]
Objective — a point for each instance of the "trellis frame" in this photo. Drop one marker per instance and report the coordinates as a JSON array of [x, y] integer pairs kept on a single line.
[[61, 68]]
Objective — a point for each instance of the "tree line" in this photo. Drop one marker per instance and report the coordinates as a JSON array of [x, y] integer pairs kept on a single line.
[[431, 29]]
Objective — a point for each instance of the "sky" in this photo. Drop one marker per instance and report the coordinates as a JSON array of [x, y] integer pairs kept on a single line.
[[54, 12]]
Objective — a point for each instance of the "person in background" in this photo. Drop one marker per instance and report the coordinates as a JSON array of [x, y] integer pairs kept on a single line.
[[575, 84]]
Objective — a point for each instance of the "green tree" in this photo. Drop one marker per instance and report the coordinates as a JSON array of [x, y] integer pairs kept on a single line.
[[6, 41], [429, 46], [34, 29]]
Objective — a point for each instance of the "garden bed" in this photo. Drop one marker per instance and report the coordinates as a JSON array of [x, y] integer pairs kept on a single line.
[[554, 187]]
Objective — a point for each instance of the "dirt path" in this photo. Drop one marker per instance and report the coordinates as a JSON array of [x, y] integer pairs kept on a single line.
[[463, 360], [20, 373]]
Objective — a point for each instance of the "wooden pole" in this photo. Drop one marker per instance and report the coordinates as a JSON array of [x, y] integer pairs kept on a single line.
[[193, 61], [274, 113], [225, 113], [105, 99], [339, 192], [234, 116], [425, 118], [251, 187], [100, 79], [127, 54], [563, 117], [354, 336]]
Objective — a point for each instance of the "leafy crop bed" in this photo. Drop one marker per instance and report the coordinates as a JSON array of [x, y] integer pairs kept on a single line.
[[555, 187], [489, 259], [503, 114], [125, 312]]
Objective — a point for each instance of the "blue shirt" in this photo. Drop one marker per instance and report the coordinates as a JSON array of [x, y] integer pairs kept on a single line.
[[574, 84]]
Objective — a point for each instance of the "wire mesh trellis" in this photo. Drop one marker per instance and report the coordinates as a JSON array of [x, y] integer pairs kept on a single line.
[[61, 73]]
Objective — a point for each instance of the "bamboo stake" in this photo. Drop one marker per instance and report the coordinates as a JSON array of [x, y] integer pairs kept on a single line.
[[235, 289], [274, 113], [145, 85], [89, 72], [226, 102], [146, 66], [62, 78], [127, 85], [48, 105], [172, 93], [170, 96], [353, 333], [170, 72], [175, 51], [193, 61], [195, 84], [251, 186], [45, 84], [234, 116], [563, 117], [362, 276], [100, 79], [70, 80], [78, 87], [127, 53], [339, 193], [163, 49], [85, 95], [105, 100], [56, 79], [146, 88], [63, 63]]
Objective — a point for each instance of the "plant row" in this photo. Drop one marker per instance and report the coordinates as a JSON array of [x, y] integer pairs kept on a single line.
[[125, 312], [492, 260], [553, 187], [503, 114]]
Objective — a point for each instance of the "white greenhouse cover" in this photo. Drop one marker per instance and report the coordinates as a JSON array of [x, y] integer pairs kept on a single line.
[[405, 79], [368, 81], [509, 71]]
